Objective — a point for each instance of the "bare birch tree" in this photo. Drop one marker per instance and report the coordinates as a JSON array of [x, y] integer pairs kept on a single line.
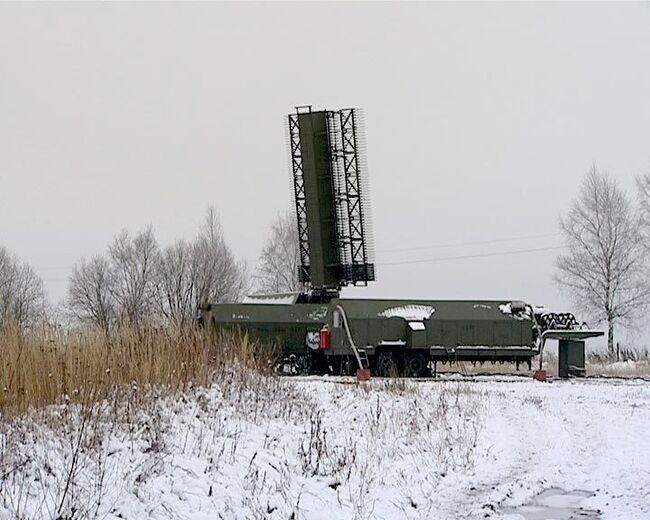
[[133, 262], [280, 259], [90, 293], [22, 296], [643, 186], [603, 269]]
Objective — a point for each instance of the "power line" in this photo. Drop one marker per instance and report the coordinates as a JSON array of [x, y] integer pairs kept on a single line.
[[474, 243], [479, 255], [419, 260]]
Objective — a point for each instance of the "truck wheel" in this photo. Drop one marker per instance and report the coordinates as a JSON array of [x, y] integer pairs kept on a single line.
[[343, 366], [385, 365], [416, 365], [302, 365]]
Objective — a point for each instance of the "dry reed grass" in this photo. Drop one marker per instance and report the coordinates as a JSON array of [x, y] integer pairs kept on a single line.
[[40, 369], [631, 362], [626, 369], [595, 366]]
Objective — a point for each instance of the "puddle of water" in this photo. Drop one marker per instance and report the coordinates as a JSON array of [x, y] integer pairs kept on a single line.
[[555, 504]]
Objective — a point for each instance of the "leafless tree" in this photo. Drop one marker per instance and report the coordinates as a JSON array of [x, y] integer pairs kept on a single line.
[[137, 283], [643, 185], [29, 297], [7, 276], [176, 283], [279, 262], [219, 276], [204, 270], [22, 296], [603, 268], [133, 262], [90, 293]]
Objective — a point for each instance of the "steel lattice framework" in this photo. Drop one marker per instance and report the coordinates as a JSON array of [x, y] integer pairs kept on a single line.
[[351, 226], [299, 194], [342, 171]]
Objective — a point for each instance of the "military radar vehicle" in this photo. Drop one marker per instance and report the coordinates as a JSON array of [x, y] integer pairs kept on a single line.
[[317, 331]]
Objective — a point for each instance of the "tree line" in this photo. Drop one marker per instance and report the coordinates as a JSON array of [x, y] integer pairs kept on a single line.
[[136, 282], [604, 268], [133, 283]]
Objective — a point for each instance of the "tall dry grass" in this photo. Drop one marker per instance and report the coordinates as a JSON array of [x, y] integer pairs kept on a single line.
[[128, 404], [596, 366], [42, 368]]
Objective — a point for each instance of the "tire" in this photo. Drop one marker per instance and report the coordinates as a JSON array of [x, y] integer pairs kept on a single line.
[[416, 365], [302, 365], [385, 365], [343, 366]]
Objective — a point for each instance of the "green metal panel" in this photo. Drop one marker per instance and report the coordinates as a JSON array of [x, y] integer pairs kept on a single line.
[[449, 334], [284, 325], [321, 217], [392, 329], [466, 331], [571, 358], [416, 339], [443, 309], [505, 333], [477, 329], [451, 324], [484, 332], [434, 332]]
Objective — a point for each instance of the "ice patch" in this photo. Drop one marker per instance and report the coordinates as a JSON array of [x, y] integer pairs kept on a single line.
[[554, 504]]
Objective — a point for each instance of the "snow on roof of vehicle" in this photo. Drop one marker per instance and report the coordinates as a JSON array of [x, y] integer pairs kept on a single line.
[[273, 299], [409, 312]]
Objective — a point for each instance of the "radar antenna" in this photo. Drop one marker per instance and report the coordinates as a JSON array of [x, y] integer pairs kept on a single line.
[[332, 212]]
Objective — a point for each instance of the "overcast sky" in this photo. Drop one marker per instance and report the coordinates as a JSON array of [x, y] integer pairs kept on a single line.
[[481, 120]]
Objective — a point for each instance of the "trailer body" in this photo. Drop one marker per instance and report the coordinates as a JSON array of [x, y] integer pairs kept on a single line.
[[402, 335]]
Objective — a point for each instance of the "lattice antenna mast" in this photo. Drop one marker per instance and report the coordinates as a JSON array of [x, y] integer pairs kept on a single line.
[[299, 194], [332, 214], [355, 238]]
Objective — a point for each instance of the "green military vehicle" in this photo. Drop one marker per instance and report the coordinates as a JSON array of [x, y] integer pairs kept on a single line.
[[401, 337], [317, 331]]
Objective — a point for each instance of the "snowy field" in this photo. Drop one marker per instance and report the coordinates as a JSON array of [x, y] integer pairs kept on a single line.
[[326, 448]]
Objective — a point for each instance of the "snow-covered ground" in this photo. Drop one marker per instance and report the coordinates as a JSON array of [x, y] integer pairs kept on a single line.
[[327, 448]]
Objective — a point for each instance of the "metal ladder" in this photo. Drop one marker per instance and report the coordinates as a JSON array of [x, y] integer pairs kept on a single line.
[[363, 357]]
